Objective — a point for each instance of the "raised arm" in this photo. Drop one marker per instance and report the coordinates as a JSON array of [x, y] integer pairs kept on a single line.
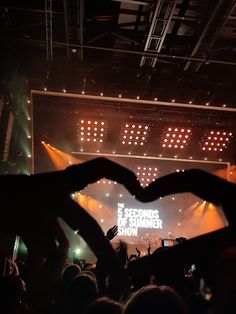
[[32, 204]]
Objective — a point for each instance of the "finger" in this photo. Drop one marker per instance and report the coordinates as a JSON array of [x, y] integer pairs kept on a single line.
[[203, 184], [79, 176]]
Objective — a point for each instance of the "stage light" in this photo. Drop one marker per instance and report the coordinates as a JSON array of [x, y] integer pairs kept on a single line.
[[174, 137], [146, 175], [45, 89], [178, 170], [77, 251], [64, 91], [136, 134], [215, 140], [28, 101], [105, 181], [92, 131]]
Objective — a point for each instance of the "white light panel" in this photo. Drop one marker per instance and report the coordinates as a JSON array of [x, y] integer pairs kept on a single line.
[[91, 131], [146, 174], [216, 140], [134, 133], [176, 137]]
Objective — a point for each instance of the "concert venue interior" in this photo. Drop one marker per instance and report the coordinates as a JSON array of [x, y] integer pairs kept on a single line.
[[147, 84]]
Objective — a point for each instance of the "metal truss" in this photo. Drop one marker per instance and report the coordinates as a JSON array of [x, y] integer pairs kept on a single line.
[[160, 22], [74, 20], [220, 15], [81, 26], [48, 24], [66, 23]]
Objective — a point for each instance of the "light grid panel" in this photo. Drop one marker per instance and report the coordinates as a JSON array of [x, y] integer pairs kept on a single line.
[[216, 140], [176, 137], [134, 133], [91, 131], [146, 174]]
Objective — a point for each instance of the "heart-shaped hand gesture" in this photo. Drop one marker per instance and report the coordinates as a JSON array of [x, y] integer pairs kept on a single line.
[[32, 204]]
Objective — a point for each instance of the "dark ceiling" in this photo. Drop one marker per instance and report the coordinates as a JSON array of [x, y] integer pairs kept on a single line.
[[182, 49]]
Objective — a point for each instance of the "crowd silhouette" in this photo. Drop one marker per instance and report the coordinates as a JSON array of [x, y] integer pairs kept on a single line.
[[195, 276]]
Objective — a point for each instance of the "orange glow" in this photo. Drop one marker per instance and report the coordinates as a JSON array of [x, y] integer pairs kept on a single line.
[[201, 218], [211, 219], [96, 208], [60, 159], [223, 173], [199, 210], [188, 211]]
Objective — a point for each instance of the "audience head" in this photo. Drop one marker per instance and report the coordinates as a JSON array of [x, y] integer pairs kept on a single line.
[[83, 290], [152, 299], [70, 272], [105, 305]]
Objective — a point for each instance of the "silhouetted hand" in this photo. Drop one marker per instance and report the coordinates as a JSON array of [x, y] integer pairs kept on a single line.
[[139, 253], [203, 184], [201, 250], [112, 232], [32, 204], [132, 256]]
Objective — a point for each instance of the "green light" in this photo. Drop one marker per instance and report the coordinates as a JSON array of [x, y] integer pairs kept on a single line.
[[22, 248], [77, 251]]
